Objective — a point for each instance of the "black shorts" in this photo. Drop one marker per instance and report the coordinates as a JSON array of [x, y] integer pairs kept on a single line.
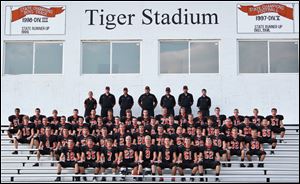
[[23, 140], [68, 164], [146, 164], [87, 164], [268, 140], [256, 152], [209, 164], [186, 165], [235, 152], [45, 151], [164, 165], [13, 130], [278, 130], [128, 164], [108, 165]]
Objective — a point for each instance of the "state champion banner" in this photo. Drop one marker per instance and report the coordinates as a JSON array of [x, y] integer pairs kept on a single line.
[[30, 20], [267, 18]]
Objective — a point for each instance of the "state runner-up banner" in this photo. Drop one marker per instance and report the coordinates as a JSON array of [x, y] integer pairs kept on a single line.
[[268, 18], [35, 20]]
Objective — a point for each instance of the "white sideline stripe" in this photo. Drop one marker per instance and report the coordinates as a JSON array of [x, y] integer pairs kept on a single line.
[[147, 176], [232, 162]]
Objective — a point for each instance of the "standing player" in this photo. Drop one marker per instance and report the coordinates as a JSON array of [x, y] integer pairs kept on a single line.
[[89, 104], [168, 101], [107, 101], [147, 101], [186, 100], [126, 102], [204, 103]]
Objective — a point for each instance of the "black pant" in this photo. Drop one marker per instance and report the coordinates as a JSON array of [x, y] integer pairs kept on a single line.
[[104, 111], [171, 111], [87, 113], [205, 112], [188, 110], [150, 112], [123, 112]]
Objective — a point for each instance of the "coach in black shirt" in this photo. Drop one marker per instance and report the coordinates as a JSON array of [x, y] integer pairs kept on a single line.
[[186, 100], [107, 101], [147, 101], [89, 104], [204, 103], [125, 102], [168, 101]]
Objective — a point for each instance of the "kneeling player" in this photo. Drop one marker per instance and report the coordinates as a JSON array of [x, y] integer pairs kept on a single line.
[[267, 135], [109, 158], [90, 157], [167, 158], [209, 158], [188, 158], [68, 158], [255, 147], [147, 156]]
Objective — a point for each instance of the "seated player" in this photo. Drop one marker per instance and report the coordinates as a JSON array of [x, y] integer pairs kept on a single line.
[[37, 118], [90, 157], [147, 157], [256, 119], [15, 120], [236, 118], [218, 118], [235, 146], [276, 122], [188, 158], [245, 127], [267, 135], [109, 158], [25, 134], [219, 140], [209, 158], [69, 157], [73, 119], [254, 147], [128, 156], [48, 142], [167, 158], [226, 127], [200, 120]]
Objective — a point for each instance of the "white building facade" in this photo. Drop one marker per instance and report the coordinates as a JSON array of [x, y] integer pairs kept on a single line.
[[245, 55]]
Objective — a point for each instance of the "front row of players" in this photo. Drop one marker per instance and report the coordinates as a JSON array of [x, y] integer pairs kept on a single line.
[[157, 158]]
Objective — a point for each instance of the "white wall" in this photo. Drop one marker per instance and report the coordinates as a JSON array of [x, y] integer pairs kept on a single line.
[[228, 89]]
